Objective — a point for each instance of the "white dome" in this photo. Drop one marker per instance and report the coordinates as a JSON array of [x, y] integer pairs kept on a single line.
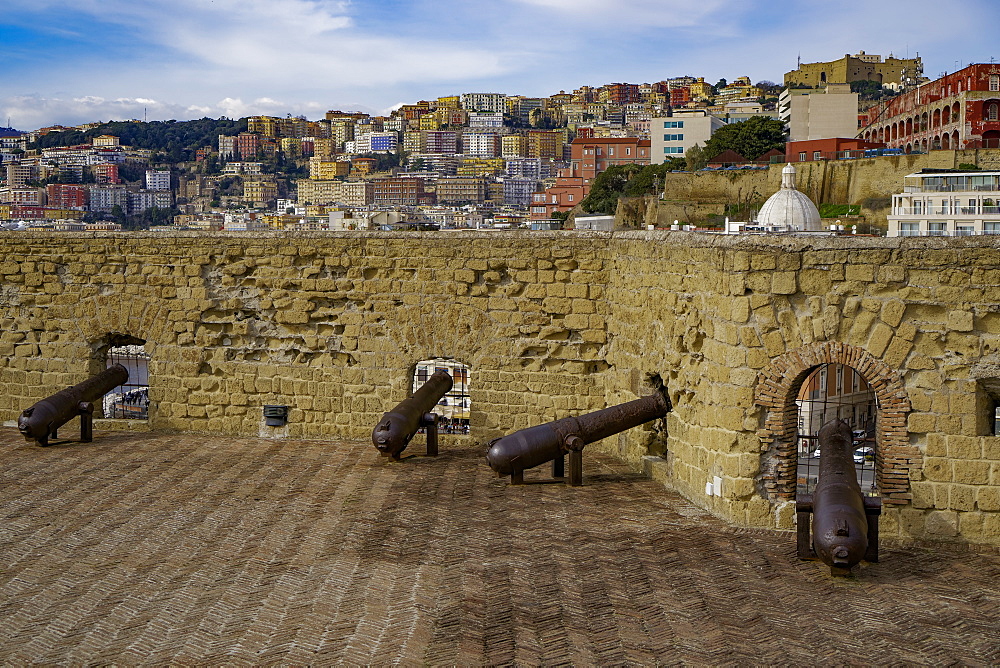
[[790, 208]]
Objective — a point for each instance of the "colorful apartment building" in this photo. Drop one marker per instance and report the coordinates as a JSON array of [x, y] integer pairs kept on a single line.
[[590, 157], [67, 196]]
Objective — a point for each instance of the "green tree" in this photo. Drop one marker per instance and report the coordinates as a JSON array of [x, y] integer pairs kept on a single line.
[[870, 90], [750, 138], [695, 158]]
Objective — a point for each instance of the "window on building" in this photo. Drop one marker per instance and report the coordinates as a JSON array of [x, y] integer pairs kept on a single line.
[[569, 198], [802, 156], [964, 230], [817, 155], [991, 112], [991, 228], [909, 229], [937, 228], [994, 82]]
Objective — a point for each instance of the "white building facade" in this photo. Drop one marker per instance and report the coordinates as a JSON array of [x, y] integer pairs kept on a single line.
[[672, 136], [946, 204]]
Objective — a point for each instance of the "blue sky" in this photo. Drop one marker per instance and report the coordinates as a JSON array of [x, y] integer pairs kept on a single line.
[[70, 62]]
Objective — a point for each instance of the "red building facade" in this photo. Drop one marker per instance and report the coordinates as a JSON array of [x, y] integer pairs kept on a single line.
[[67, 196], [957, 111]]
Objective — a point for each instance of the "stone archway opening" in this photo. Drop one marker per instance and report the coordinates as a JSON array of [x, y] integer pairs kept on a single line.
[[836, 391], [130, 400], [777, 391], [455, 406]]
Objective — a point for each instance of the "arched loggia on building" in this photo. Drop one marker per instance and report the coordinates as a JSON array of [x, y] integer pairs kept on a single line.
[[778, 387]]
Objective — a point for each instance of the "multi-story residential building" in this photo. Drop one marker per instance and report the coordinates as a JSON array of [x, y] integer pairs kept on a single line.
[[143, 200], [227, 147], [592, 156], [106, 140], [946, 203], [459, 190], [546, 143], [19, 173], [567, 192], [739, 90], [260, 192], [243, 168], [534, 169], [357, 193], [700, 89], [106, 173], [157, 179], [441, 164], [383, 142], [67, 196], [957, 111], [672, 136], [323, 148], [481, 144], [449, 102], [485, 120], [248, 145], [619, 94], [341, 132], [103, 198], [892, 72], [513, 146], [820, 113], [327, 170], [439, 141], [23, 196], [488, 102], [400, 191], [472, 166], [517, 191], [313, 191], [680, 97], [520, 107]]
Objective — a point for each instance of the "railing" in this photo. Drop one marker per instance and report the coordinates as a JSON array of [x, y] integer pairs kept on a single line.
[[958, 232], [951, 211]]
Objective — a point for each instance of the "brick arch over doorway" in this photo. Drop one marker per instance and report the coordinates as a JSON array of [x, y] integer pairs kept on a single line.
[[776, 390]]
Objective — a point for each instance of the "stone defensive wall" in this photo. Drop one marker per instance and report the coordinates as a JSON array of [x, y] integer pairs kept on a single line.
[[550, 325]]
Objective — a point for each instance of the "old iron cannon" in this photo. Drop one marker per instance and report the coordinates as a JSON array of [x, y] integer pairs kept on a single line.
[[40, 422], [845, 522], [394, 431], [527, 448]]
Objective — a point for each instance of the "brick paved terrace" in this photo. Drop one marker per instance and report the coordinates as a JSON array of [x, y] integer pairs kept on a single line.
[[154, 549]]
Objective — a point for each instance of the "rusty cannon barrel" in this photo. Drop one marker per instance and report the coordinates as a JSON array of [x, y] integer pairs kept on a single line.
[[845, 522], [394, 431], [40, 422], [531, 447]]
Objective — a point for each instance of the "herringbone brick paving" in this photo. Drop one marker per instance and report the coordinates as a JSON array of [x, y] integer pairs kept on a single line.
[[192, 550]]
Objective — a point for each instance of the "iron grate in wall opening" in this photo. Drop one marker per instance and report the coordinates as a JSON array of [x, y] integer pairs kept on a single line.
[[129, 401]]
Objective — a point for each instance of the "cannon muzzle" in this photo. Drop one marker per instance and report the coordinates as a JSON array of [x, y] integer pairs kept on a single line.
[[41, 421], [845, 524]]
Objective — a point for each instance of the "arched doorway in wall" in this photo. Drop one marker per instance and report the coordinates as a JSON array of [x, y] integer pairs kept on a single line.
[[779, 386], [836, 391], [454, 407], [130, 400]]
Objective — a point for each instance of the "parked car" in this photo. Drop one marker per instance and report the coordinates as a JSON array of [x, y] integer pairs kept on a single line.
[[865, 454]]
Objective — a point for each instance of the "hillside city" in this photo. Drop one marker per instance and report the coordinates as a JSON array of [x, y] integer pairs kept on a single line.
[[486, 160]]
